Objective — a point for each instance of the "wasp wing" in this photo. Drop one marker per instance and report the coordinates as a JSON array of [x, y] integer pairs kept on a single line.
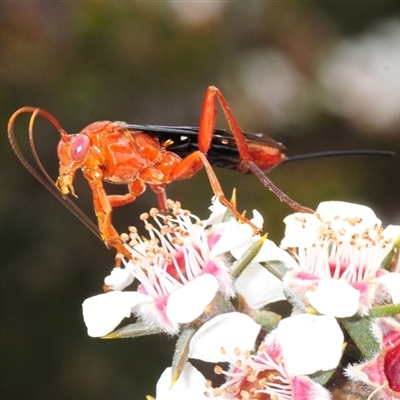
[[223, 152]]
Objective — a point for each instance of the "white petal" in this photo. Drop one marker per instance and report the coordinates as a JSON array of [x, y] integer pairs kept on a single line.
[[259, 287], [190, 385], [188, 302], [234, 234], [227, 331], [392, 232], [392, 283], [348, 213], [310, 343], [345, 209], [104, 312], [335, 297], [119, 279], [218, 211], [257, 219], [301, 229]]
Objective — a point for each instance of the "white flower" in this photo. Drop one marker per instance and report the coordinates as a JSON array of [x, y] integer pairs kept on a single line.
[[339, 252], [217, 340], [277, 369], [181, 267]]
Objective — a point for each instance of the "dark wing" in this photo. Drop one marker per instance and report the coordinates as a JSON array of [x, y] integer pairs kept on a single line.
[[223, 151]]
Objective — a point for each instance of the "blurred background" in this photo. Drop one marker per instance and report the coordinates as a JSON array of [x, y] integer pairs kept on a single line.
[[314, 75]]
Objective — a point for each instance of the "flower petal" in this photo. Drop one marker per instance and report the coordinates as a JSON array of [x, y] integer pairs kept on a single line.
[[225, 331], [305, 388], [190, 385], [334, 297], [310, 343], [218, 211], [347, 210], [257, 219], [119, 279], [104, 312], [234, 234], [188, 302], [392, 231], [392, 283], [259, 287], [301, 229]]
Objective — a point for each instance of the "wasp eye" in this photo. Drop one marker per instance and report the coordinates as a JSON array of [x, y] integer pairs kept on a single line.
[[79, 147]]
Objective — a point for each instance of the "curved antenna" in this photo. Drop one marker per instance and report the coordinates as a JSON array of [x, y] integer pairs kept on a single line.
[[338, 153], [45, 179]]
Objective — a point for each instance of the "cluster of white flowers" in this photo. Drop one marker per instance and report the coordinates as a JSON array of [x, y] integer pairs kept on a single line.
[[214, 278]]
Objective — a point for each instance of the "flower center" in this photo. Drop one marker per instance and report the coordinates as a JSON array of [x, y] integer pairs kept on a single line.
[[176, 252], [254, 377], [254, 386]]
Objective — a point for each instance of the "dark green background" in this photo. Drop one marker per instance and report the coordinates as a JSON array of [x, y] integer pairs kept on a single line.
[[140, 62]]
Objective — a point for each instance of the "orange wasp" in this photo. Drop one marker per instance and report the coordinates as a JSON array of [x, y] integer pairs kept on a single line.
[[136, 156]]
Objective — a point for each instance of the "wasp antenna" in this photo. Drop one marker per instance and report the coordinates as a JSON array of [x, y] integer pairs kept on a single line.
[[63, 134], [57, 125], [44, 179], [16, 148], [339, 153]]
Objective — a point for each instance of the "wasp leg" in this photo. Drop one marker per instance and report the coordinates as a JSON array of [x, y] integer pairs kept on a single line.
[[135, 188], [206, 129], [160, 192], [193, 162], [103, 210]]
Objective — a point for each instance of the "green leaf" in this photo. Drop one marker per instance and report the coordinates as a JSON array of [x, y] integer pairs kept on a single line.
[[181, 352], [386, 310], [133, 330], [247, 257], [322, 377], [276, 267], [267, 319], [392, 259], [359, 329]]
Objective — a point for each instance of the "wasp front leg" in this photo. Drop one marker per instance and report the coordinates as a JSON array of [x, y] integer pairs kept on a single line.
[[103, 210], [136, 188]]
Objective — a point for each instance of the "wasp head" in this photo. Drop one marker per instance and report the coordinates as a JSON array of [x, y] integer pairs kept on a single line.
[[72, 152]]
